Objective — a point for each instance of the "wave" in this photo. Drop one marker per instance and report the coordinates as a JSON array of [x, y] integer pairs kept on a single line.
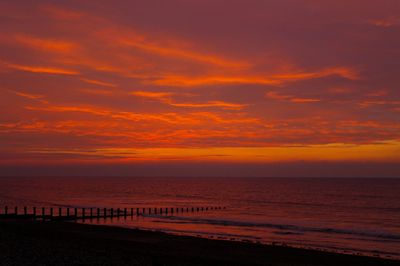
[[295, 229]]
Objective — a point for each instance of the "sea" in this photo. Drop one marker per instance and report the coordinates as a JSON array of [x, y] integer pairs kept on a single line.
[[345, 215]]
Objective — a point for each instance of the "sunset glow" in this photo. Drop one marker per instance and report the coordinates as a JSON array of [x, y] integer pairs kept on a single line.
[[98, 81]]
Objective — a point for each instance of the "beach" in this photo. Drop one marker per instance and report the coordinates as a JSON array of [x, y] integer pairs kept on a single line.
[[68, 243]]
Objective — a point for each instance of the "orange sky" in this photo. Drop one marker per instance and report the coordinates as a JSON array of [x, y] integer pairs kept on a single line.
[[199, 81]]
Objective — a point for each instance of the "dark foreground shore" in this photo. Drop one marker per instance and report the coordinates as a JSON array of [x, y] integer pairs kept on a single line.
[[62, 243]]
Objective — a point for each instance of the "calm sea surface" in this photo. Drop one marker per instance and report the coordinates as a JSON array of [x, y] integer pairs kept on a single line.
[[343, 215]]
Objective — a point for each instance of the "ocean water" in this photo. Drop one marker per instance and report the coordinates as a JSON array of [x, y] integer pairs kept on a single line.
[[356, 215]]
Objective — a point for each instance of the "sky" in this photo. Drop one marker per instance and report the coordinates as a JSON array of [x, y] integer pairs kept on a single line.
[[200, 87]]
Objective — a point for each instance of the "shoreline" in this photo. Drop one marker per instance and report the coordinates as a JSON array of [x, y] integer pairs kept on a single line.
[[237, 238], [66, 243]]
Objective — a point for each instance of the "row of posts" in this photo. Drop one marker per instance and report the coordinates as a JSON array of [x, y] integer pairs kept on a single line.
[[98, 213]]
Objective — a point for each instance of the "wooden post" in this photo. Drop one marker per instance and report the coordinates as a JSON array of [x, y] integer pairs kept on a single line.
[[83, 213], [16, 210], [60, 211], [67, 212], [172, 211], [187, 209], [202, 208], [125, 212], [149, 210], [137, 211], [25, 210], [76, 212], [5, 210], [112, 212], [177, 209], [144, 211], [43, 212], [197, 208], [98, 213], [192, 209], [51, 212], [160, 210], [206, 208], [105, 212], [34, 212], [131, 211], [166, 210], [91, 212], [182, 210], [155, 210]]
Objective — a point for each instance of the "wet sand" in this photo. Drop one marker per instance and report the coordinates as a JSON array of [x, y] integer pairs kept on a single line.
[[64, 243]]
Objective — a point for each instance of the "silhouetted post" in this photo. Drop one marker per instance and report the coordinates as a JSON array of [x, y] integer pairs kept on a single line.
[[5, 210], [137, 211], [197, 209], [187, 209], [149, 210], [60, 211], [177, 209], [16, 210], [118, 212], [166, 210], [91, 212], [192, 209], [43, 212], [105, 212], [51, 212], [144, 211], [206, 208], [34, 212], [172, 211], [112, 212], [160, 210], [76, 212], [98, 213], [131, 211], [25, 211], [83, 213], [67, 212], [125, 212]]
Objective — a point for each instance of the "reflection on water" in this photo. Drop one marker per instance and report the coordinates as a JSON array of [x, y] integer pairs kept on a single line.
[[353, 215]]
